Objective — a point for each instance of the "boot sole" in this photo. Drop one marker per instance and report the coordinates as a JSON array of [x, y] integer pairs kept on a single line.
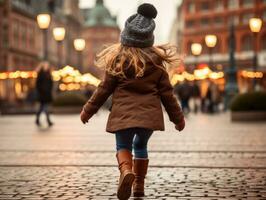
[[138, 194], [124, 190]]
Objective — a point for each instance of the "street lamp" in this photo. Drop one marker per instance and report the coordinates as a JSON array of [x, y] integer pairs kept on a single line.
[[43, 21], [210, 41], [231, 87], [196, 49], [59, 35], [79, 45], [255, 25]]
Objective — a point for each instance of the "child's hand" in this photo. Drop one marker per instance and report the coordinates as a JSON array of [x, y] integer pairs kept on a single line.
[[84, 117], [181, 125]]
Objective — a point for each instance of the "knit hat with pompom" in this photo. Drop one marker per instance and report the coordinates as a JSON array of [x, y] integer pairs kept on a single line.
[[138, 31]]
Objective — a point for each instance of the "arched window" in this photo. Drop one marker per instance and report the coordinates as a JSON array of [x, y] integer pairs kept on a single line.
[[246, 42]]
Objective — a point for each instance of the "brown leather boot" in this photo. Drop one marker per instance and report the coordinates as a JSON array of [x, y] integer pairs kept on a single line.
[[140, 168], [124, 158]]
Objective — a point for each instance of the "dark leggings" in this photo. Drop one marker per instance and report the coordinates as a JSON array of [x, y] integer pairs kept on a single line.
[[43, 108], [136, 138]]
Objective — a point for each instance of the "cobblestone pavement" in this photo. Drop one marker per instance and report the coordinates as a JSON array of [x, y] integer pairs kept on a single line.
[[158, 159], [100, 183], [212, 159]]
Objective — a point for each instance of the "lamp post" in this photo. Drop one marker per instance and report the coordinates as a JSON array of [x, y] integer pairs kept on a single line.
[[255, 25], [231, 87], [79, 45], [59, 35], [43, 21], [210, 41], [196, 49]]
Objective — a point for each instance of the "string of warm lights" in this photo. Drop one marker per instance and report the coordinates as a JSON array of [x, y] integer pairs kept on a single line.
[[198, 74], [250, 74], [71, 78], [18, 74]]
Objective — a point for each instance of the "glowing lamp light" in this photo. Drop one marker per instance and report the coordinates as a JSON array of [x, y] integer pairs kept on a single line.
[[196, 49], [216, 75], [211, 40], [250, 74], [202, 73], [188, 76], [59, 33], [255, 24], [177, 78], [3, 76], [43, 21], [79, 44]]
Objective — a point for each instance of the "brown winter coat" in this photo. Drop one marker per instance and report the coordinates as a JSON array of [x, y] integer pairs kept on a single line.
[[136, 102]]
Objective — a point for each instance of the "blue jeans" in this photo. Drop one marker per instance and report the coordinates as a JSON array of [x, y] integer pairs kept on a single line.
[[136, 138]]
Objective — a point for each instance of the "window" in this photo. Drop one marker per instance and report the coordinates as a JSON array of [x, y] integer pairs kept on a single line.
[[191, 7], [234, 20], [16, 61], [248, 3], [233, 4], [218, 5], [205, 6], [247, 43], [190, 24], [5, 36], [31, 36], [218, 21], [204, 22], [23, 35], [246, 17], [15, 32]]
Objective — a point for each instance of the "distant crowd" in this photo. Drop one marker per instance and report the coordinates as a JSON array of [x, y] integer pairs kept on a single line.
[[193, 99]]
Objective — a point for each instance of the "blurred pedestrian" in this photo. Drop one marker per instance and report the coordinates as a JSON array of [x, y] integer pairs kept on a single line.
[[44, 87], [213, 98], [184, 93], [196, 96], [137, 78]]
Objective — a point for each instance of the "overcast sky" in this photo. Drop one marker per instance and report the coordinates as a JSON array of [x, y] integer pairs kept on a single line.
[[124, 8]]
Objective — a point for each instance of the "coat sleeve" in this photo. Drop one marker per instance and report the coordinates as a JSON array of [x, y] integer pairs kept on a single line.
[[38, 81], [168, 99], [100, 95]]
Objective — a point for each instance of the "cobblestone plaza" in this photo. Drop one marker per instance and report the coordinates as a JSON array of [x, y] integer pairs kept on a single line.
[[211, 159]]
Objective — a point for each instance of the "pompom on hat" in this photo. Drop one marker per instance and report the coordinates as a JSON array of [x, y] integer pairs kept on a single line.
[[138, 31]]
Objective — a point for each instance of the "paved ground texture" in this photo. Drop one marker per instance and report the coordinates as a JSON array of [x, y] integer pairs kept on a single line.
[[212, 159]]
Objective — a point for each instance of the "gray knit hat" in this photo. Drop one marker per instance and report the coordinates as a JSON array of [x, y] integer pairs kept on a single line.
[[138, 31]]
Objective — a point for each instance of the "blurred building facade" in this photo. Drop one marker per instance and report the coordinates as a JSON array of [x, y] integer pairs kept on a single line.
[[176, 31], [21, 39], [100, 29], [198, 18], [19, 36]]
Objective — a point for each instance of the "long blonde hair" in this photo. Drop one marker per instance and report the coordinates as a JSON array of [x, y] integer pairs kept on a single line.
[[117, 58]]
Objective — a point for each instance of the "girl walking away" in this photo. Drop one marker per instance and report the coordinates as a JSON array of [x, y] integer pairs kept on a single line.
[[44, 87], [137, 78]]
